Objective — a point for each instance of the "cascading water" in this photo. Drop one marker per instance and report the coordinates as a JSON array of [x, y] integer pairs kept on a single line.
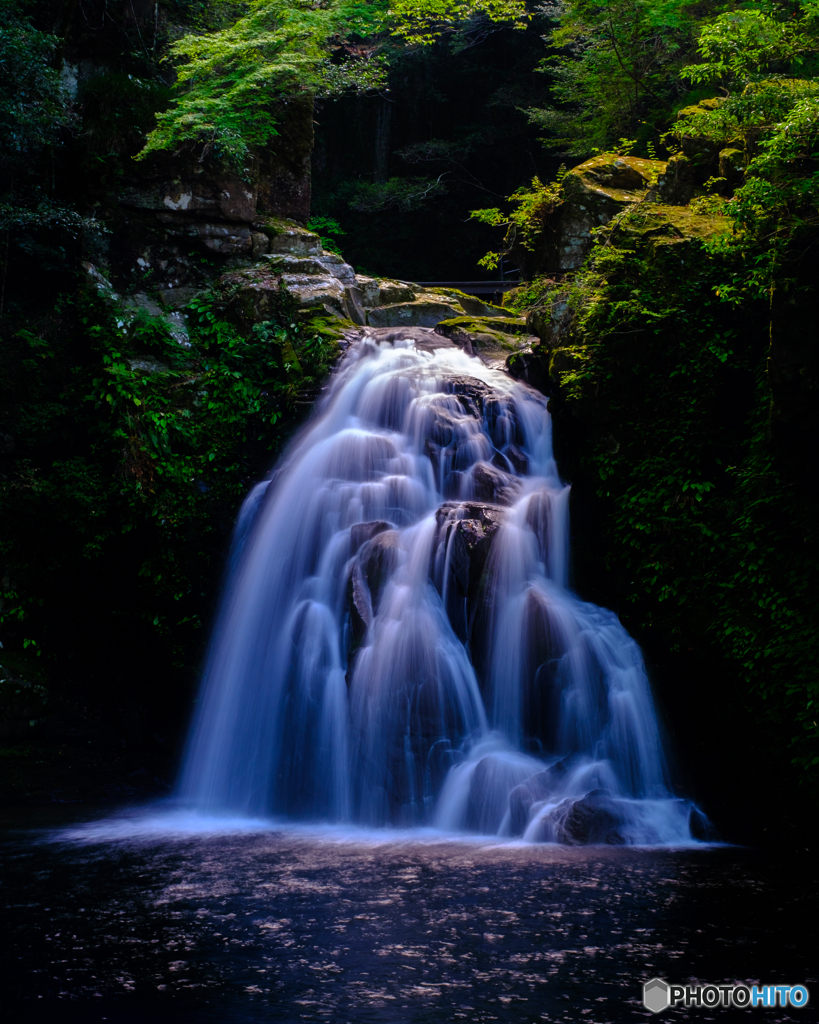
[[397, 643]]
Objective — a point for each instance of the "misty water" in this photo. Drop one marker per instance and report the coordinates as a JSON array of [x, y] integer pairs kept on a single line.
[[398, 643], [425, 781]]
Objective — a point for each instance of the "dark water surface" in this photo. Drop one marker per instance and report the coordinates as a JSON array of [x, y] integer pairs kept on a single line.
[[299, 926]]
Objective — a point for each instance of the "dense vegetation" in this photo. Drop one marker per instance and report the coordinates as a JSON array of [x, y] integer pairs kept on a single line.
[[683, 379]]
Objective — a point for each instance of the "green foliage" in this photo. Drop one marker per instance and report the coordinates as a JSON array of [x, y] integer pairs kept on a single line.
[[162, 430], [524, 223], [715, 542], [741, 44], [230, 83], [328, 229], [405, 194], [774, 119], [612, 68], [423, 22]]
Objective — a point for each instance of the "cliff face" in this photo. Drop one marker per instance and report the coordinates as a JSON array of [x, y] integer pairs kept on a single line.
[[684, 416]]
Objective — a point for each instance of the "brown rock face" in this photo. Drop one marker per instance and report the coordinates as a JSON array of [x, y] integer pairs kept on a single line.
[[173, 207]]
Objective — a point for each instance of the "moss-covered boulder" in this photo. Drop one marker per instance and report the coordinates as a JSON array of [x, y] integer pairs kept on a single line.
[[471, 304], [732, 165], [655, 224], [390, 292], [288, 237], [593, 194], [490, 338]]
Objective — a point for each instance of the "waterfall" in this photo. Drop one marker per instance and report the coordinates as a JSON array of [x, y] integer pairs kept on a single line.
[[397, 642]]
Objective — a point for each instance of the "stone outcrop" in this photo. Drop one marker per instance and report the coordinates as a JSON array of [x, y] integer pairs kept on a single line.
[[594, 193], [490, 337], [172, 210]]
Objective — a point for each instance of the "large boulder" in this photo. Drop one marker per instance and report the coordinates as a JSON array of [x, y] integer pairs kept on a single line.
[[654, 225], [533, 791], [424, 312], [490, 338], [593, 194], [596, 818]]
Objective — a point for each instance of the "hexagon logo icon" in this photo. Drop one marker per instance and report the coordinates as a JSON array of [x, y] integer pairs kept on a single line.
[[655, 995]]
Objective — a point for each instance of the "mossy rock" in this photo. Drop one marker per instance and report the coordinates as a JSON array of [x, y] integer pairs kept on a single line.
[[288, 237], [472, 304], [732, 164], [391, 292], [421, 313], [482, 336], [655, 224], [594, 193], [619, 179], [512, 324]]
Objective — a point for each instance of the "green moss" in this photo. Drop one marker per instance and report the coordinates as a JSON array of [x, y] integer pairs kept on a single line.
[[657, 224], [487, 324]]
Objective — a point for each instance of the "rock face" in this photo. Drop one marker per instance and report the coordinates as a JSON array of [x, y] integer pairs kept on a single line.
[[173, 209], [593, 194]]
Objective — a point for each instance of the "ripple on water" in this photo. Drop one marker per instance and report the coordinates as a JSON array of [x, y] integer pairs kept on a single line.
[[256, 923]]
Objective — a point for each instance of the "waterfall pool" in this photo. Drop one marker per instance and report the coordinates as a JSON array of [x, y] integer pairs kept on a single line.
[[150, 918]]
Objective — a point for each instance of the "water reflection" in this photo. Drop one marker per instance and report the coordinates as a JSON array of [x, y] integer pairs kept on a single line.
[[242, 925]]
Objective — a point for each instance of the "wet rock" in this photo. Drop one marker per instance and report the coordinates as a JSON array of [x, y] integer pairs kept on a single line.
[[472, 393], [466, 531], [489, 338], [531, 792], [597, 818], [532, 367], [419, 313], [362, 532], [360, 608], [491, 484], [426, 340], [378, 559]]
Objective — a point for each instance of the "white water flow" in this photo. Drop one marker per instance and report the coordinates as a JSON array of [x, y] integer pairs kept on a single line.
[[397, 643]]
